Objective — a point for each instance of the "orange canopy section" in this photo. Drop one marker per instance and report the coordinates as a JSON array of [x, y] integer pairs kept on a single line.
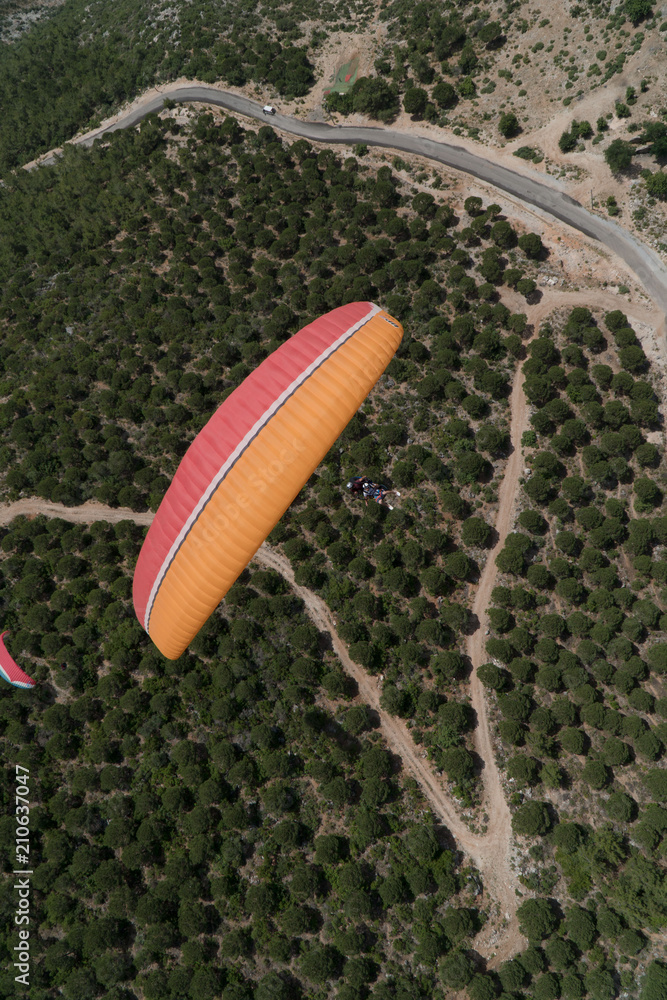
[[248, 463]]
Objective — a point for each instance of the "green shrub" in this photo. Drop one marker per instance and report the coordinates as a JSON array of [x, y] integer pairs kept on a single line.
[[531, 820], [595, 774]]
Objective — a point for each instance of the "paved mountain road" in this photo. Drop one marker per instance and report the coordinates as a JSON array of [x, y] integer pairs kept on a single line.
[[545, 194]]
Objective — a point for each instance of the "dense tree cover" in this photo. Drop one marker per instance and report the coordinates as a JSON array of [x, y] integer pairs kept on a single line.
[[211, 245], [209, 281], [375, 97], [196, 820], [655, 982], [81, 62], [618, 155], [578, 651], [508, 125], [226, 244], [638, 10]]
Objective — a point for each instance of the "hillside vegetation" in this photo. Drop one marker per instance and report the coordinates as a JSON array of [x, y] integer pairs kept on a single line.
[[490, 69], [228, 824]]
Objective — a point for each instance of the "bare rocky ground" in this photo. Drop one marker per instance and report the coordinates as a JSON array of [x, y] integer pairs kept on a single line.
[[17, 16]]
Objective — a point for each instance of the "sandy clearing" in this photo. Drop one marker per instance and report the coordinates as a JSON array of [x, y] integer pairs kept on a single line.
[[649, 323]]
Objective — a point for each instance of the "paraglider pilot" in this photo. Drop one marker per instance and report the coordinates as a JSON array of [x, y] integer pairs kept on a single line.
[[362, 486], [358, 485]]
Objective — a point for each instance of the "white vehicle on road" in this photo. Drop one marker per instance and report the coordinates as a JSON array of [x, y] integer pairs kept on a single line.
[[268, 109]]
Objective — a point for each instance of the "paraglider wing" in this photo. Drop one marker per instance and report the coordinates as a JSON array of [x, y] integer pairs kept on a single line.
[[248, 463], [10, 670]]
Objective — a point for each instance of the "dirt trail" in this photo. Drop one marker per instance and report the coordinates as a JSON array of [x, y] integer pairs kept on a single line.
[[85, 514], [497, 843], [395, 731], [489, 852]]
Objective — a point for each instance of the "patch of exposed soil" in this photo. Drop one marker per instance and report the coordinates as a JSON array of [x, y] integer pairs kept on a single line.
[[18, 16]]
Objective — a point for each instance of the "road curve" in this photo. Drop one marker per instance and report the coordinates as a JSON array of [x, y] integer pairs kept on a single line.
[[543, 194]]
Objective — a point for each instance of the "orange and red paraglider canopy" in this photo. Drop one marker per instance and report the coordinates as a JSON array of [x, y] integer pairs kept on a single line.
[[248, 463]]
